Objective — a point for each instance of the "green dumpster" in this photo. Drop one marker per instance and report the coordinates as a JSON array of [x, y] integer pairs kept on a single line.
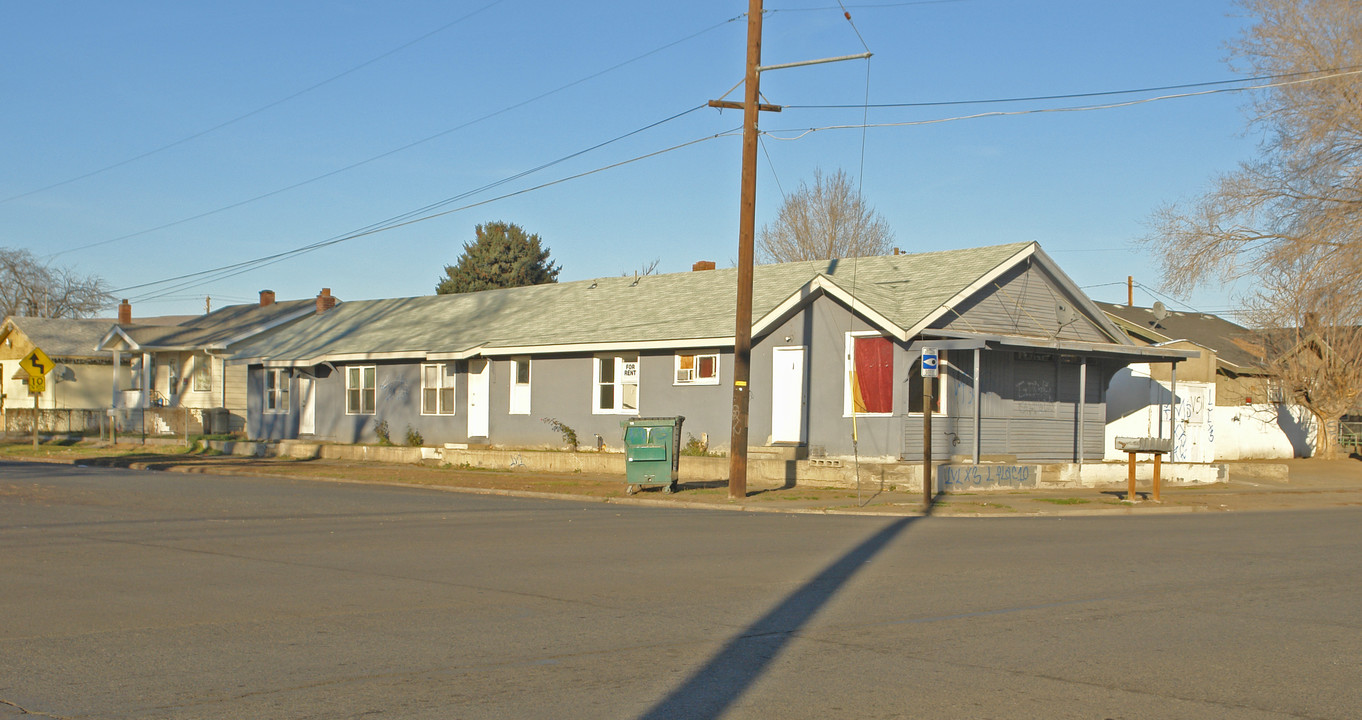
[[652, 448]]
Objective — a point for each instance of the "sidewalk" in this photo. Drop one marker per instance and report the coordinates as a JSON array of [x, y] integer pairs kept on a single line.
[[1311, 484]]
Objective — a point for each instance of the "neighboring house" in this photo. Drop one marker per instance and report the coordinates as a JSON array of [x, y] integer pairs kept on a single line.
[[77, 388], [1227, 408], [1026, 359], [177, 378]]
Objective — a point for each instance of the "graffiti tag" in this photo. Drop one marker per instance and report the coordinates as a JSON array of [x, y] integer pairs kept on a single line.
[[975, 477]]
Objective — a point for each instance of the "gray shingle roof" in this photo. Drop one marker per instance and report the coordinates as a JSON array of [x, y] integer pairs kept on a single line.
[[661, 309], [1210, 331], [64, 337], [216, 328]]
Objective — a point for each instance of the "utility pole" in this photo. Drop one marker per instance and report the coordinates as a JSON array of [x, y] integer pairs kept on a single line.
[[747, 221], [742, 329]]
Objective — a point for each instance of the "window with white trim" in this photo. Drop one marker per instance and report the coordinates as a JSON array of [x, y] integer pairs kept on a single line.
[[276, 390], [697, 369], [201, 372], [437, 390], [869, 376], [360, 390], [616, 385], [520, 386]]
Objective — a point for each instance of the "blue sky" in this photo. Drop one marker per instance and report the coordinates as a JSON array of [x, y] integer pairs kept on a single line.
[[149, 140]]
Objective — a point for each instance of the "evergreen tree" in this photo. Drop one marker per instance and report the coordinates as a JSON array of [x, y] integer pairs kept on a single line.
[[500, 256]]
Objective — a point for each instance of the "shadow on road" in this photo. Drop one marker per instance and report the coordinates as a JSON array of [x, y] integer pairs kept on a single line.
[[724, 679]]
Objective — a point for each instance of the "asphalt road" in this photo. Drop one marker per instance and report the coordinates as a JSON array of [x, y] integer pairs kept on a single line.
[[127, 594]]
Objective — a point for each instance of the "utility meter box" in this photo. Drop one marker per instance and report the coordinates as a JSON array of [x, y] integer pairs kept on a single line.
[[652, 448]]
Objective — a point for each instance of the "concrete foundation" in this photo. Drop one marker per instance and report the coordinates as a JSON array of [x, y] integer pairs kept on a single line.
[[788, 469]]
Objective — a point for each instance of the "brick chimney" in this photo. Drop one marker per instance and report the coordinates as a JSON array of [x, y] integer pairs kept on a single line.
[[702, 265], [325, 301], [125, 313], [266, 298]]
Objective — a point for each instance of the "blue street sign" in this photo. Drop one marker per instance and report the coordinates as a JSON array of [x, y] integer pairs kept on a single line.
[[929, 362]]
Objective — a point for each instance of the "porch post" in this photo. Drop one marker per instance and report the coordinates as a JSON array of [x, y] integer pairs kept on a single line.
[[1082, 401], [977, 412], [1173, 411], [117, 367], [146, 380]]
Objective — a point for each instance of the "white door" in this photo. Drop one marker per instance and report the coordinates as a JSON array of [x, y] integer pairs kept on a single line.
[[1191, 437], [479, 391], [787, 395], [307, 406]]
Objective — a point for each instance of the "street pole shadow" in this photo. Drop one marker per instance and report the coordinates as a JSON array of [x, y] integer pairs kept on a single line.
[[712, 689]]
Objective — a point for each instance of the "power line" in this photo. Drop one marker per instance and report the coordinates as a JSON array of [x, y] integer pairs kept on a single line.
[[417, 211], [1080, 108], [394, 151], [398, 221], [872, 6], [1075, 96], [251, 113]]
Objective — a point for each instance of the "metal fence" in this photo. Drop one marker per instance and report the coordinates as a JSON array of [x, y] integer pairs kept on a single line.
[[1350, 434]]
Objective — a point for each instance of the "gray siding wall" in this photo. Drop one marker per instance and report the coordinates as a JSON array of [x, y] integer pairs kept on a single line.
[[1024, 301], [560, 388], [1028, 407], [821, 328]]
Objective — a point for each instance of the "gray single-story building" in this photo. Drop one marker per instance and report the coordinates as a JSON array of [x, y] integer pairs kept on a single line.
[[1026, 358]]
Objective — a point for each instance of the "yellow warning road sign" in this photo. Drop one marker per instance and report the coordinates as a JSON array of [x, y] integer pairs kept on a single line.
[[36, 363], [37, 384]]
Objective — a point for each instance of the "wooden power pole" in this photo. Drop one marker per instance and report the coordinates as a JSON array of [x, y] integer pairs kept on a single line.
[[747, 221], [742, 330]]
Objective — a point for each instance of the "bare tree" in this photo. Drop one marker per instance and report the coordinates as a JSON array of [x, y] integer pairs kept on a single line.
[[828, 220], [30, 287], [1310, 341], [1291, 218], [647, 268], [1303, 195]]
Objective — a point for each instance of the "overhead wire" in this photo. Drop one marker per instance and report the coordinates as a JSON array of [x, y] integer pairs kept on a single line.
[[1075, 96], [843, 7], [1082, 108], [256, 111], [394, 151], [431, 206], [215, 274]]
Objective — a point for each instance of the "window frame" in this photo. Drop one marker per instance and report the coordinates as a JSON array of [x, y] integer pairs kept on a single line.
[[371, 390], [849, 366], [444, 388], [276, 388], [520, 397], [619, 368], [200, 367], [696, 358]]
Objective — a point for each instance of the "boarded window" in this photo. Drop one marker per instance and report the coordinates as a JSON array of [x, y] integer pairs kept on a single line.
[[872, 376]]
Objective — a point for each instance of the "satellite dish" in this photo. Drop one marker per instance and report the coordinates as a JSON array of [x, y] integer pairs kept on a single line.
[[1065, 314], [1160, 312]]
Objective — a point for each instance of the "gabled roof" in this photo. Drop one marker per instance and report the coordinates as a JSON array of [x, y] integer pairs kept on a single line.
[[215, 331], [1206, 330], [899, 294], [60, 337]]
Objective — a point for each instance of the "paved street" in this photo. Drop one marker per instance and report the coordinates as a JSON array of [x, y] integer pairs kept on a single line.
[[130, 594]]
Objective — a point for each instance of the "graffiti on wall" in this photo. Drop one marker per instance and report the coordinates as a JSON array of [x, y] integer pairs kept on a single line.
[[981, 477]]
